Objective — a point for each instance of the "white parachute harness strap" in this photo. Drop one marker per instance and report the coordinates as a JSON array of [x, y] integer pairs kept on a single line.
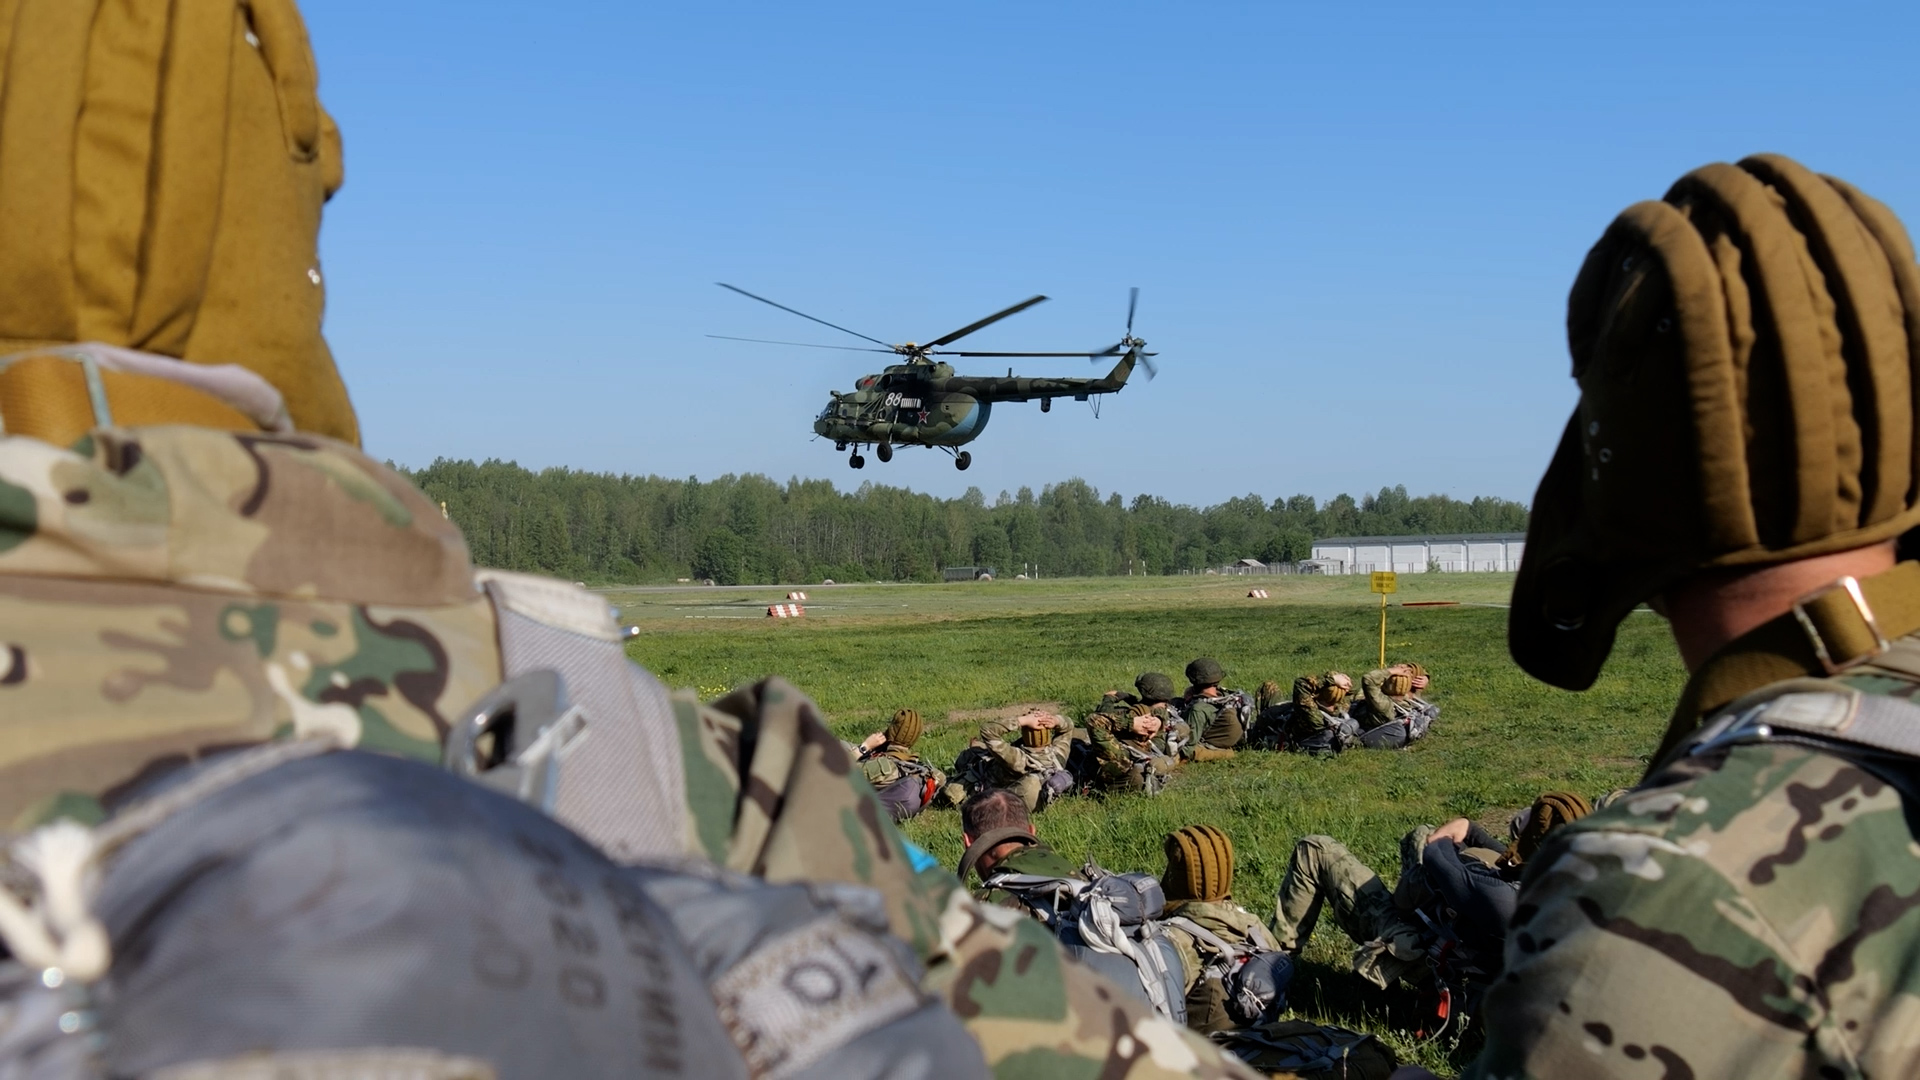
[[53, 928], [1059, 894], [1225, 957], [1100, 928]]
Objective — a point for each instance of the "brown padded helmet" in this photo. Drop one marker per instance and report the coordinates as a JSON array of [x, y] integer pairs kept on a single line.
[[1329, 693], [904, 729], [1199, 864], [1548, 812], [1398, 684], [1745, 351]]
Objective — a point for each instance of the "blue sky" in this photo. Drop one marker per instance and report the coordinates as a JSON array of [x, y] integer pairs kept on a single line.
[[1353, 226]]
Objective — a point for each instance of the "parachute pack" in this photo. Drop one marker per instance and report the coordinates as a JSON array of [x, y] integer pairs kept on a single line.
[[913, 792], [297, 910], [1310, 1051], [1117, 924]]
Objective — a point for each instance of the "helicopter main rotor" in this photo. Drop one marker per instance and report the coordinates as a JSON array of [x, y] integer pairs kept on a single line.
[[914, 352]]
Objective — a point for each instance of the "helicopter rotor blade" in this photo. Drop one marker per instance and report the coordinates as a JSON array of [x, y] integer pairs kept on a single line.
[[802, 344], [804, 315], [986, 322], [1088, 355], [1133, 301]]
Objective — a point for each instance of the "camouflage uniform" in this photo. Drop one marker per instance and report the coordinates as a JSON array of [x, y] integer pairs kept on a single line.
[[893, 764], [1312, 727], [1323, 872], [170, 592], [1386, 721], [1207, 998], [1032, 772], [1124, 761], [1745, 348], [1749, 911]]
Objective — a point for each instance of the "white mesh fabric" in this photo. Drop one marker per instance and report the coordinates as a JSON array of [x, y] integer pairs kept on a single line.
[[624, 787]]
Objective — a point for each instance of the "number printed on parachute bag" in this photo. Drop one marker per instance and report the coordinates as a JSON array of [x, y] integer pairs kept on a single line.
[[349, 904]]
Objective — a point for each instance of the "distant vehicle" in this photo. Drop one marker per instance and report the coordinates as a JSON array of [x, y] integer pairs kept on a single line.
[[921, 402]]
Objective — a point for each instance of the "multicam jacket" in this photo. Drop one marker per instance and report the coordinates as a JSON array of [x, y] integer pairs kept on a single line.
[[1124, 761], [1013, 757], [1375, 706], [169, 592], [1751, 910], [1309, 717]]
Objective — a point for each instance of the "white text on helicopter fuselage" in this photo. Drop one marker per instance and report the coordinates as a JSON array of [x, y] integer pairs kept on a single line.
[[903, 402]]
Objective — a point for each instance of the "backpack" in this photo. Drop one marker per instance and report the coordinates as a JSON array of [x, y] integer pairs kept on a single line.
[[913, 792], [1420, 717], [1310, 1051], [1112, 923], [1458, 975], [314, 912], [162, 172], [1247, 983], [1269, 729]]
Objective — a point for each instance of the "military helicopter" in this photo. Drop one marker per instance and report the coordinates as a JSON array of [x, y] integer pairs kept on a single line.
[[921, 402]]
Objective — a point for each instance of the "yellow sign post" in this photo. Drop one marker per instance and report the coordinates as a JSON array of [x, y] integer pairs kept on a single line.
[[1384, 582]]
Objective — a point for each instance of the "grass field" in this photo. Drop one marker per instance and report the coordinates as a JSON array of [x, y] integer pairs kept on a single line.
[[960, 652]]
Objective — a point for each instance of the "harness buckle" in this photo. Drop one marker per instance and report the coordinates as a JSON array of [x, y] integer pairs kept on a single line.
[[1812, 609]]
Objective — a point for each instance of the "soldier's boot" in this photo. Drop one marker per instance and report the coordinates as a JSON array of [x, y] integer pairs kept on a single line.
[[1208, 753]]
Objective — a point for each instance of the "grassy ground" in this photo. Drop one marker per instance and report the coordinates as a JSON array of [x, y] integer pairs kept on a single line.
[[653, 607], [958, 652]]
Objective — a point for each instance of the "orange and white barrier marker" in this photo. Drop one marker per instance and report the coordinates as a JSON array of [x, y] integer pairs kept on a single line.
[[785, 611], [796, 596], [1256, 594]]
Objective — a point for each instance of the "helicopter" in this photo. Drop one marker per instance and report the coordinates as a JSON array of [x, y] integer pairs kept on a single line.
[[921, 402]]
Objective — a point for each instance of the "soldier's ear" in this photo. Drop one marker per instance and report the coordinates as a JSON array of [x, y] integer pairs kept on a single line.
[[966, 838]]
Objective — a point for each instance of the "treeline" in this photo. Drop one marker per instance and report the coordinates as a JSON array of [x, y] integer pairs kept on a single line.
[[602, 528]]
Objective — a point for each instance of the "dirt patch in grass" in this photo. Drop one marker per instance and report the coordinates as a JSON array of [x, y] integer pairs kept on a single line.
[[1004, 712]]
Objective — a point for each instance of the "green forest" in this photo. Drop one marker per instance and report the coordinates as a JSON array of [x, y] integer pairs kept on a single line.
[[751, 530]]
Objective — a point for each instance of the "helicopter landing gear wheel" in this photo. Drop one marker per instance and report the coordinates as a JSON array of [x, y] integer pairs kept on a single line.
[[884, 451], [857, 461], [962, 460]]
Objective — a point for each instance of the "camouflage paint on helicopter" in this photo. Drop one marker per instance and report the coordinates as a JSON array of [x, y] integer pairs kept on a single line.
[[923, 403]]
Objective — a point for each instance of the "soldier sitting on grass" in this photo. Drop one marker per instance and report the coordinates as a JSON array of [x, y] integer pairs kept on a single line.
[[1319, 723], [1218, 717], [1391, 713], [1027, 755], [905, 782], [1202, 918], [1457, 882], [1129, 751], [999, 835]]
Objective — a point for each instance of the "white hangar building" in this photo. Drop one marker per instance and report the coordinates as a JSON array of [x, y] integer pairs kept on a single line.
[[1455, 553]]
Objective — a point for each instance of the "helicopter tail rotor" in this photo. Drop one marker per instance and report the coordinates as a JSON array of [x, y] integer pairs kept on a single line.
[[1129, 343]]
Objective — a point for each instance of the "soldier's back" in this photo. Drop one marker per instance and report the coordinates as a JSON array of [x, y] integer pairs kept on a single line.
[[1751, 911]]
